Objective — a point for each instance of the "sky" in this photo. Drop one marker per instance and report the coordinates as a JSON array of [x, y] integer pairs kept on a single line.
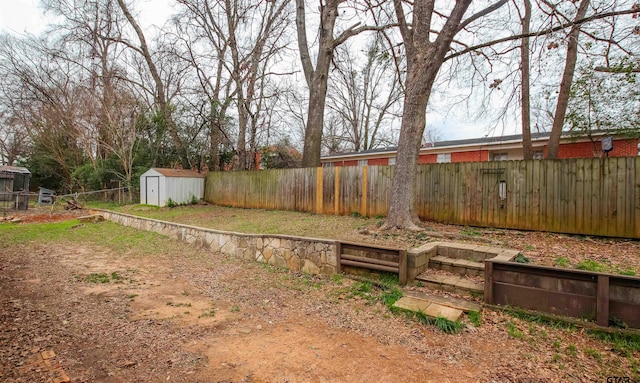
[[25, 16]]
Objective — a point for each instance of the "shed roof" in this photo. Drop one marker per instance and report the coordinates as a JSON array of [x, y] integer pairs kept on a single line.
[[178, 173], [14, 169]]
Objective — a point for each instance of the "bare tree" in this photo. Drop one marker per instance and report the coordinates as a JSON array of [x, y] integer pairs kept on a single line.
[[160, 94], [317, 75], [245, 38], [525, 87], [366, 99], [565, 84]]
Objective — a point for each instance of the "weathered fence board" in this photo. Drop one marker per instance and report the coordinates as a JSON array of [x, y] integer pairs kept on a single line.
[[592, 196]]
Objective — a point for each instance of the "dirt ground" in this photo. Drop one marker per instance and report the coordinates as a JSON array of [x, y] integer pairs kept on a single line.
[[180, 314]]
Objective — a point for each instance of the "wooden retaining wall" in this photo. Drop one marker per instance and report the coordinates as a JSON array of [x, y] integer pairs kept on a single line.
[[575, 293], [591, 196]]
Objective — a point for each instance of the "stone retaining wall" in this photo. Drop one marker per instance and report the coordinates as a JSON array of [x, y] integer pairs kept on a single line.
[[309, 255]]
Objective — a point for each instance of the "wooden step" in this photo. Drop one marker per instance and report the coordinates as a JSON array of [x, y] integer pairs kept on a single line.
[[431, 309], [456, 303], [451, 283], [457, 266]]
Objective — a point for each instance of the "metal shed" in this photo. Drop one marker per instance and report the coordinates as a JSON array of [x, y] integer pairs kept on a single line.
[[14, 187], [158, 185]]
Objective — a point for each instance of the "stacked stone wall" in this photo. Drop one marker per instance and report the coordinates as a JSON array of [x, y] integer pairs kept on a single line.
[[309, 255]]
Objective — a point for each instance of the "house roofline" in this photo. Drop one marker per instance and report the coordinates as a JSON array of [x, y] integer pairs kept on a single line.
[[482, 143]]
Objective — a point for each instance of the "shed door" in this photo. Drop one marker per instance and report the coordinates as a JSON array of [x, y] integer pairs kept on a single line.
[[153, 192]]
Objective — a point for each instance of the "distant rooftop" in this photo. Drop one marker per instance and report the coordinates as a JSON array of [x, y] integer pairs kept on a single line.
[[178, 173], [14, 169], [464, 142]]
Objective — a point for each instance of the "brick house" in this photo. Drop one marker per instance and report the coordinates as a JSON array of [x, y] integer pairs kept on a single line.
[[492, 149]]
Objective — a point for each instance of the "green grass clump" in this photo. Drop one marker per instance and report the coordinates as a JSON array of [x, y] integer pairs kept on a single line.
[[561, 262], [475, 318], [515, 332], [591, 266], [390, 297], [98, 278]]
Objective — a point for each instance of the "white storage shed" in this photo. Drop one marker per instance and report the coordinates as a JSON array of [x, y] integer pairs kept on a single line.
[[158, 185]]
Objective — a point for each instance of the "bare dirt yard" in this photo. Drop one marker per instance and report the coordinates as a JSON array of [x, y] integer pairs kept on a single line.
[[85, 302]]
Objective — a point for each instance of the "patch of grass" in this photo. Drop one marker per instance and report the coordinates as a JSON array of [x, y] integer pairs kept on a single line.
[[562, 262], [556, 345], [572, 350], [388, 279], [514, 331], [337, 279], [630, 272], [363, 290], [442, 324], [622, 343], [178, 304], [529, 247], [98, 278], [593, 353], [447, 326], [235, 309], [538, 318], [470, 232], [208, 314], [556, 357], [390, 297], [590, 265], [475, 318]]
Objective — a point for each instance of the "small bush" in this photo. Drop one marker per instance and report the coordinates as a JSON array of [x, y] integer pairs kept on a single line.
[[520, 258], [171, 203]]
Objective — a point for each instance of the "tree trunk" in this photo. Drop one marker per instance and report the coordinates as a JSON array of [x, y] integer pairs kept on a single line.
[[527, 146], [565, 84], [317, 78], [424, 60], [402, 207]]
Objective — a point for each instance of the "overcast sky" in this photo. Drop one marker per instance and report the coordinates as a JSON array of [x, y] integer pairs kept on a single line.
[[25, 16]]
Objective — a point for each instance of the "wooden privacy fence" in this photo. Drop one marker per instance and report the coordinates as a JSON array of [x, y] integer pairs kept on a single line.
[[575, 293], [591, 196]]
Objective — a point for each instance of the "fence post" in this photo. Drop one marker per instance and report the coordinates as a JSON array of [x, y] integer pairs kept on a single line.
[[336, 191], [488, 282], [319, 190], [365, 175], [602, 301]]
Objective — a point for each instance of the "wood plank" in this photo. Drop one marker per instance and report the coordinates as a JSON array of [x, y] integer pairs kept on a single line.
[[369, 260], [336, 193], [368, 265], [364, 187], [488, 282], [621, 192], [547, 301], [602, 301]]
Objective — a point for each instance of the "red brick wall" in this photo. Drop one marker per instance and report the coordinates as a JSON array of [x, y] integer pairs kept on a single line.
[[473, 156], [378, 161], [621, 148], [427, 159]]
